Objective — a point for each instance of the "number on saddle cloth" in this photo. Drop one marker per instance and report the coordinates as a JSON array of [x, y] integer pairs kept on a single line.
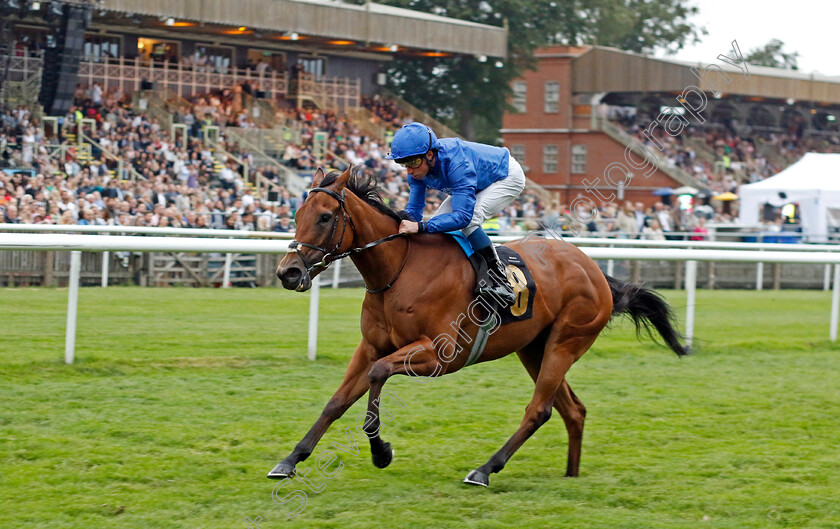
[[518, 276]]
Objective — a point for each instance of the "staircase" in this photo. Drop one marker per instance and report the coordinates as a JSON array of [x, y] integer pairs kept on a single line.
[[367, 123], [615, 132], [263, 112], [84, 156], [772, 154], [154, 105], [415, 114], [80, 152], [24, 93], [256, 141], [704, 153]]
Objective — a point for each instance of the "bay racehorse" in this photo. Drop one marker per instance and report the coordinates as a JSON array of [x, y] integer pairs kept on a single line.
[[419, 288]]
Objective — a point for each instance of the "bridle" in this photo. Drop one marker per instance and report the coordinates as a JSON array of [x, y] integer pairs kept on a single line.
[[330, 255]]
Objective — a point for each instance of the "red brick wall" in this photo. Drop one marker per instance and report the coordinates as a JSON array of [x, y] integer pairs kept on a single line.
[[575, 129], [551, 69], [601, 152]]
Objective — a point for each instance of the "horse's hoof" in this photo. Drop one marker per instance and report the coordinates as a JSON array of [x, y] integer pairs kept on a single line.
[[283, 470], [476, 477], [383, 458]]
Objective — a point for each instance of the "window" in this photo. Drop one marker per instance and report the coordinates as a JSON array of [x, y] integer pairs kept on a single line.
[[98, 48], [518, 153], [212, 58], [312, 65], [552, 97], [520, 91], [578, 159], [549, 158]]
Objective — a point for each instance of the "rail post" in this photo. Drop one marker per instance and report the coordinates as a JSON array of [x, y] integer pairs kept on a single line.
[[336, 273], [691, 293], [106, 258], [312, 345], [827, 278], [72, 306], [835, 303], [759, 276]]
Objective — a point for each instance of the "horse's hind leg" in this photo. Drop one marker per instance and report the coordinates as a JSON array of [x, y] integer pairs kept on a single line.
[[566, 402], [556, 361], [574, 413]]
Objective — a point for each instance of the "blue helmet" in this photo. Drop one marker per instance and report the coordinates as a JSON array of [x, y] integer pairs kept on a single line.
[[413, 139]]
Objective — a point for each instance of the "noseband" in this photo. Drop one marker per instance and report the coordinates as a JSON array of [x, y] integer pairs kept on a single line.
[[329, 257], [294, 245]]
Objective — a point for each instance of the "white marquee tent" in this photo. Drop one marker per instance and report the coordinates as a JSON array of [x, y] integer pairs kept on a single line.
[[813, 182]]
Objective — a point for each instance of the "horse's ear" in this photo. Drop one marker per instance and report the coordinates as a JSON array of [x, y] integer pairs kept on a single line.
[[342, 180], [317, 178]]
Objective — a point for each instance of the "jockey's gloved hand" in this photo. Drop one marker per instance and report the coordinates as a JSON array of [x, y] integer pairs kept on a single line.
[[403, 215]]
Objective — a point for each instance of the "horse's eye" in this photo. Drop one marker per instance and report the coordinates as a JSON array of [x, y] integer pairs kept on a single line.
[[325, 217]]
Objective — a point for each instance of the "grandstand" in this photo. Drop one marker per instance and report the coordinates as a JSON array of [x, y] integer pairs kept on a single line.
[[583, 107], [251, 96], [198, 115], [201, 115]]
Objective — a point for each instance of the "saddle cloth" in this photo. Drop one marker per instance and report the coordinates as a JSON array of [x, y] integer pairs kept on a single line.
[[518, 275]]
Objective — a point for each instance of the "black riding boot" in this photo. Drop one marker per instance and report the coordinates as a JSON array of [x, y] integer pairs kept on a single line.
[[498, 286]]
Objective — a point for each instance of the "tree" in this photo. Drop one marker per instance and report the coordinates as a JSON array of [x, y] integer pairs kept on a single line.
[[471, 96], [772, 55]]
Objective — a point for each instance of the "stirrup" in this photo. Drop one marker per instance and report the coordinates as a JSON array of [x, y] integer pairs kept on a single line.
[[498, 290], [499, 293]]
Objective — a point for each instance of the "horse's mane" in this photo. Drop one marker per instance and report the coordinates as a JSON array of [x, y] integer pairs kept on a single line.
[[366, 187]]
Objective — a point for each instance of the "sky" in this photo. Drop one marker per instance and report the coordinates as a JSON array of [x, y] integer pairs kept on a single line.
[[809, 27]]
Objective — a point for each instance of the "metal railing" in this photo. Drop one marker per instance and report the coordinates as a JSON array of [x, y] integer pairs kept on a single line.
[[293, 181], [662, 163], [122, 166], [128, 75], [335, 93], [418, 115], [78, 243]]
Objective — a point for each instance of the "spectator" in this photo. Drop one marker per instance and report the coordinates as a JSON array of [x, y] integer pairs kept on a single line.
[[626, 221], [700, 230], [11, 215], [653, 232], [284, 225]]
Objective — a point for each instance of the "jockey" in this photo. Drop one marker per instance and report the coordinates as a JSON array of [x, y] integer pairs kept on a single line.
[[481, 180]]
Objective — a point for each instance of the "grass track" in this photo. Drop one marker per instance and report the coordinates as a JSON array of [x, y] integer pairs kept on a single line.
[[181, 400]]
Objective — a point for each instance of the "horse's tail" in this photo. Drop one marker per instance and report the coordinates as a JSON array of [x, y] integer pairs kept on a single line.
[[649, 310]]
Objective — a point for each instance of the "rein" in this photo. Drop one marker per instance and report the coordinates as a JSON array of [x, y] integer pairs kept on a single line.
[[328, 254]]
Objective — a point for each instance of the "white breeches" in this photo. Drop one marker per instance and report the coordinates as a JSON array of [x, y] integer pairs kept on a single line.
[[493, 198]]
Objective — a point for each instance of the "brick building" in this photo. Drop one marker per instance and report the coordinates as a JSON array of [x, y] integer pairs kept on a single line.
[[560, 131]]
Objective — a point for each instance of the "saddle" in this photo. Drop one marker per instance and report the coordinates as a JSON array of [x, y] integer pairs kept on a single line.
[[518, 275]]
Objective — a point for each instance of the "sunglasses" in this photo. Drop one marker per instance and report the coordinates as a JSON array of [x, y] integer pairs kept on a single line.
[[414, 163]]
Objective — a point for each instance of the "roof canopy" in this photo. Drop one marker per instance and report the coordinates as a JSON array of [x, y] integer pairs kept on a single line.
[[369, 23], [599, 69]]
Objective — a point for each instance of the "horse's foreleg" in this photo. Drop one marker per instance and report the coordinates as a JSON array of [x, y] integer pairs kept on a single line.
[[555, 363], [416, 359], [354, 385]]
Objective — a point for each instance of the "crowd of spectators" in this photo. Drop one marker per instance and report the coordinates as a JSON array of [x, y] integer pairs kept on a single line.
[[634, 220], [224, 107], [187, 185], [385, 110], [734, 154], [179, 185], [19, 135]]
